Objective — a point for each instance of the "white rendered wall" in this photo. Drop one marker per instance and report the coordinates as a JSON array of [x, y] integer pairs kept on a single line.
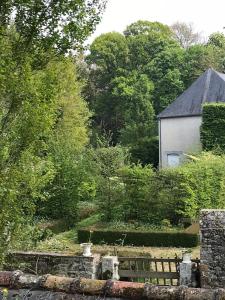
[[178, 135]]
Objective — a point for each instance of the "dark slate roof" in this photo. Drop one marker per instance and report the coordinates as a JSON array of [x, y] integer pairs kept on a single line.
[[209, 87]]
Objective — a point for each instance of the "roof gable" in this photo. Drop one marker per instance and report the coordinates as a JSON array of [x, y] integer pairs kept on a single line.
[[209, 87]]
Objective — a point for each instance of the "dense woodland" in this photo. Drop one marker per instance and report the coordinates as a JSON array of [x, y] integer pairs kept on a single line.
[[78, 129]]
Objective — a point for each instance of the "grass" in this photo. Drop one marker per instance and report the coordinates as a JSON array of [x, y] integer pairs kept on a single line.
[[90, 221], [66, 242]]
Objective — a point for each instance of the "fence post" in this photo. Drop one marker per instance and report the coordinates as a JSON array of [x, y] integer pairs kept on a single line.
[[186, 270], [110, 267]]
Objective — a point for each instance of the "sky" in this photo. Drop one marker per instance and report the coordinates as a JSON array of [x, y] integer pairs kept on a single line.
[[207, 16]]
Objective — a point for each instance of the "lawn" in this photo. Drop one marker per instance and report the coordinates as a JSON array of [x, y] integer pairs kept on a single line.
[[66, 242]]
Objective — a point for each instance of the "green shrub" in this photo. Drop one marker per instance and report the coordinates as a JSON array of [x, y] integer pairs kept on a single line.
[[135, 238], [136, 181], [110, 190], [86, 209], [146, 151], [213, 126]]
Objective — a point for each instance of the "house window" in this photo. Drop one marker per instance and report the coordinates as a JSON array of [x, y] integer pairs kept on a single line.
[[173, 159]]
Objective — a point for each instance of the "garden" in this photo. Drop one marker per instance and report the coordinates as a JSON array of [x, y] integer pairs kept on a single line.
[[78, 133]]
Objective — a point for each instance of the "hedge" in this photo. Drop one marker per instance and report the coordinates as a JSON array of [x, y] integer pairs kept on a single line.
[[135, 238], [213, 126]]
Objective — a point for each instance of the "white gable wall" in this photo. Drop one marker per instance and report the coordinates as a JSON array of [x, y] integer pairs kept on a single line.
[[178, 136]]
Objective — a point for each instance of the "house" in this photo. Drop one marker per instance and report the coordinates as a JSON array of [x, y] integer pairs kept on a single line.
[[179, 123]]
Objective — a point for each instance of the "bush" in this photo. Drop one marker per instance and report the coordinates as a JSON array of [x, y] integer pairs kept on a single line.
[[146, 151], [213, 125], [135, 238], [145, 196], [184, 191], [136, 181], [86, 209]]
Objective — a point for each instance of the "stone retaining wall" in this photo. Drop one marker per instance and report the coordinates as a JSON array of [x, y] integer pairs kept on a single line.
[[55, 264]]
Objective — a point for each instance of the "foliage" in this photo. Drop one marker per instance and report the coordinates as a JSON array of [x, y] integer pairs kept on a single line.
[[59, 243], [217, 39], [138, 120], [146, 27], [196, 185], [92, 220], [151, 197], [212, 128], [136, 181], [86, 209], [28, 104], [109, 53], [139, 238], [66, 147], [198, 58], [30, 236], [60, 24], [119, 90], [43, 118], [38, 108], [146, 151], [110, 190]]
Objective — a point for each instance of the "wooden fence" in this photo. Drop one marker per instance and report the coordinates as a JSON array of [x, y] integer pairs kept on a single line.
[[160, 271]]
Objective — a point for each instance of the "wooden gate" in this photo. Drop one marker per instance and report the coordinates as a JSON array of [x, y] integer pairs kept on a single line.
[[160, 271]]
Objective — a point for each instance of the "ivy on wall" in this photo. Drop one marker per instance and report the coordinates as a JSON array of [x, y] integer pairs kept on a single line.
[[213, 127]]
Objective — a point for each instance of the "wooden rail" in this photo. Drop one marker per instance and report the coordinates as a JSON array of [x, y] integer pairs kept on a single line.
[[161, 271]]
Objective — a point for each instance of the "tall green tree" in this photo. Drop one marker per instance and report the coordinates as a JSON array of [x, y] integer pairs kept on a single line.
[[61, 24], [107, 60], [42, 114], [135, 92], [27, 116], [145, 27], [66, 146], [123, 88], [37, 107]]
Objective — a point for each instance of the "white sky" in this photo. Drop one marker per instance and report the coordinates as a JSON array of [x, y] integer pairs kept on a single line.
[[207, 16]]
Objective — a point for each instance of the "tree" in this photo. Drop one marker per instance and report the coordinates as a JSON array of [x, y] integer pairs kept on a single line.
[[217, 39], [35, 107], [146, 27], [60, 24], [66, 147], [199, 58], [185, 35], [135, 92], [113, 58], [27, 117], [164, 71], [144, 47], [108, 161], [42, 114], [107, 60]]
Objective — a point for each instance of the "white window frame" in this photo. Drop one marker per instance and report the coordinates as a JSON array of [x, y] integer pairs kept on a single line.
[[177, 154]]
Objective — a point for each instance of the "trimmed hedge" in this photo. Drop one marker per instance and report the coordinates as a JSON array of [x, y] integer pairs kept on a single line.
[[213, 126], [135, 238]]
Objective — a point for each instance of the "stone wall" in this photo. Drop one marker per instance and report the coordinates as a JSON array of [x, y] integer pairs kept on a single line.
[[55, 264], [212, 233]]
